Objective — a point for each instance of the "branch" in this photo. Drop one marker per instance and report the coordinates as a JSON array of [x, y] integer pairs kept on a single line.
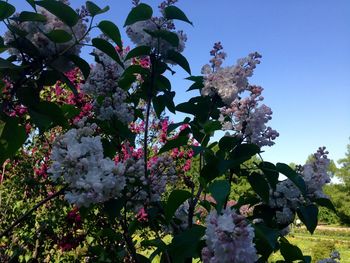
[[22, 218]]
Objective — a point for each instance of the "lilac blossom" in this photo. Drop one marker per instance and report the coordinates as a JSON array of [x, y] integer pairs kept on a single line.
[[36, 33], [78, 158], [102, 85], [229, 238], [287, 197]]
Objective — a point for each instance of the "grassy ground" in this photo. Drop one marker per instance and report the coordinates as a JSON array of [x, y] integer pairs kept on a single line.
[[322, 240], [328, 237]]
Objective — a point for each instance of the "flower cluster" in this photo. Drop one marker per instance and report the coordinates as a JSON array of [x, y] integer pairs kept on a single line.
[[227, 82], [315, 174], [77, 155], [229, 238], [287, 197], [103, 83], [248, 119], [142, 33], [334, 258], [37, 34]]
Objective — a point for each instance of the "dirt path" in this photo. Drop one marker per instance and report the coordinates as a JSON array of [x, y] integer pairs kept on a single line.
[[333, 228]]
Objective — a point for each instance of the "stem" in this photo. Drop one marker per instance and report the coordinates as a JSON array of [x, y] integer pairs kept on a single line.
[[129, 241], [145, 148], [229, 181], [148, 110], [22, 218]]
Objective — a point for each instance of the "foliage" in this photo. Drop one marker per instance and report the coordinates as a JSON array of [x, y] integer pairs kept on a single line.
[[322, 250], [96, 164]]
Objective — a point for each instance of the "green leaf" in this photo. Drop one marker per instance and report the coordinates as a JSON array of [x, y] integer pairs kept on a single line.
[[138, 52], [181, 140], [168, 100], [325, 202], [260, 186], [70, 85], [211, 126], [176, 198], [140, 12], [196, 85], [227, 143], [180, 60], [5, 64], [308, 215], [69, 111], [173, 126], [32, 3], [59, 36], [81, 64], [112, 31], [265, 239], [173, 12], [6, 10], [292, 175], [186, 244], [112, 208], [270, 172], [142, 259], [61, 10], [211, 170], [290, 252], [240, 154], [220, 189], [46, 114], [158, 105], [31, 16], [107, 48], [94, 9], [12, 137], [162, 83], [171, 37], [136, 69]]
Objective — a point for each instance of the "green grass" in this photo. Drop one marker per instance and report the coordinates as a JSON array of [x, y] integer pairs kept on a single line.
[[300, 237], [308, 243]]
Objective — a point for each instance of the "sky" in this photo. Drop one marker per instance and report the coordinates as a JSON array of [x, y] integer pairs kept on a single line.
[[305, 69]]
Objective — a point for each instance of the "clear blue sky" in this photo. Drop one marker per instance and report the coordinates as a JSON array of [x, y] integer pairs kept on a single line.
[[305, 69]]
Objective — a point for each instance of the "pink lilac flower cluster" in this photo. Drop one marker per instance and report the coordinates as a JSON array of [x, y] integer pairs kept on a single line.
[[37, 34], [229, 238], [334, 258], [60, 94], [138, 35], [248, 119], [78, 157], [11, 106], [72, 239], [287, 197]]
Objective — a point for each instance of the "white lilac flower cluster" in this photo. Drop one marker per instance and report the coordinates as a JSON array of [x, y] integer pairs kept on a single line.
[[248, 119], [102, 85], [334, 258], [36, 33], [229, 238], [78, 157], [287, 197], [141, 190], [227, 82], [138, 35]]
